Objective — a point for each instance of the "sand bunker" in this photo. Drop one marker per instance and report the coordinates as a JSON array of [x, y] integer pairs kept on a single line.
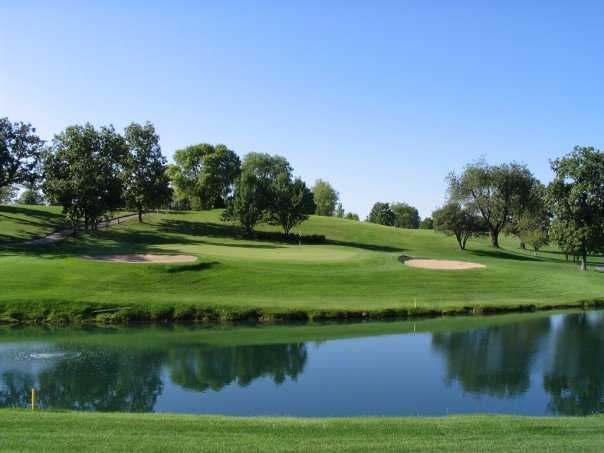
[[144, 259], [443, 264]]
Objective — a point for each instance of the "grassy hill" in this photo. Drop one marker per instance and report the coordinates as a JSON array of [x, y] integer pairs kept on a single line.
[[21, 223], [356, 272]]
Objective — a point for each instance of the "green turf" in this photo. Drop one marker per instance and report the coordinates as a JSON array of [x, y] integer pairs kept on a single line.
[[23, 431], [356, 271], [21, 222]]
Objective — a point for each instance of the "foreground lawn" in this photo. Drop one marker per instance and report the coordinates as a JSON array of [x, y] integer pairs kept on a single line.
[[23, 431], [356, 272]]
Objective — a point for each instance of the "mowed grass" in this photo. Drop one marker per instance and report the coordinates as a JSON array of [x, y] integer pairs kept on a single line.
[[99, 432], [21, 222], [356, 272]]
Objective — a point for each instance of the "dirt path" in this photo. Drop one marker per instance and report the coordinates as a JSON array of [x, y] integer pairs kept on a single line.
[[59, 235]]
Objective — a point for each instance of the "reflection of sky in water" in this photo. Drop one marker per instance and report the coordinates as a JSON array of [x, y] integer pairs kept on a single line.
[[540, 366]]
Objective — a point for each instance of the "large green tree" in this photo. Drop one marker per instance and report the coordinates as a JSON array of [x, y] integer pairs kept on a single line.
[[146, 183], [493, 191], [251, 199], [326, 198], [405, 216], [205, 174], [454, 220], [83, 172], [576, 200], [20, 152], [290, 202], [381, 214]]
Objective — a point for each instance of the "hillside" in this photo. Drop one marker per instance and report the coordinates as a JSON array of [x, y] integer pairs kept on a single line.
[[356, 272], [22, 222]]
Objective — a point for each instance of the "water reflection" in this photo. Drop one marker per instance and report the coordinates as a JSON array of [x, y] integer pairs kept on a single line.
[[202, 369], [575, 379], [541, 364], [494, 360]]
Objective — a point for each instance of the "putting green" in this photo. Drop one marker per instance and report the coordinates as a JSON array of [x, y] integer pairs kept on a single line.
[[247, 250]]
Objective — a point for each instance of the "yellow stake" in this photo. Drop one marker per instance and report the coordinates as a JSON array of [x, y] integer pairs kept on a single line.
[[33, 399]]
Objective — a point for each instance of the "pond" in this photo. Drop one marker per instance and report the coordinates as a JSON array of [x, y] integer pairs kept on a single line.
[[532, 364]]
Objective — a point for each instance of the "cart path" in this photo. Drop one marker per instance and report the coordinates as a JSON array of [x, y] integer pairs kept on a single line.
[[59, 235]]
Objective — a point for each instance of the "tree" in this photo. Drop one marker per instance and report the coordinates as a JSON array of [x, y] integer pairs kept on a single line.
[[493, 191], [7, 194], [340, 211], [206, 174], [532, 231], [405, 216], [427, 224], [30, 196], [576, 200], [290, 202], [20, 152], [381, 214], [248, 203], [251, 199], [146, 183], [326, 198], [452, 219], [82, 172], [351, 216]]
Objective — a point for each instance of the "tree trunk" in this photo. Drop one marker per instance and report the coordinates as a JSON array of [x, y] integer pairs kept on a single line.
[[140, 214], [494, 238], [584, 261]]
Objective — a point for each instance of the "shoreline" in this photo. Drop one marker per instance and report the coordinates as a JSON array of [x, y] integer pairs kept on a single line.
[[210, 315]]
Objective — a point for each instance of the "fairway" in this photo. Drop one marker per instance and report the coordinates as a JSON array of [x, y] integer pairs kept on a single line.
[[356, 272]]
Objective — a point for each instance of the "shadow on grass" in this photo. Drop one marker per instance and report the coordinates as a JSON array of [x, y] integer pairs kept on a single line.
[[175, 269], [171, 231], [37, 218]]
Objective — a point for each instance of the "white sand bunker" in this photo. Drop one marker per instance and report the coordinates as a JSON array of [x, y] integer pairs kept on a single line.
[[443, 264], [144, 258]]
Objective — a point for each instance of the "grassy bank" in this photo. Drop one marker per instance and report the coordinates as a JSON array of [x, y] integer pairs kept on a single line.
[[355, 273], [70, 431]]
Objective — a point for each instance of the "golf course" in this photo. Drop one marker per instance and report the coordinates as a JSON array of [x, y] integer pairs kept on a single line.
[[356, 270]]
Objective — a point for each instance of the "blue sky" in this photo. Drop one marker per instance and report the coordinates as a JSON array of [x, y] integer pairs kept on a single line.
[[380, 98]]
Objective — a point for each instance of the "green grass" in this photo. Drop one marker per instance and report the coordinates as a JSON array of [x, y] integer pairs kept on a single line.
[[97, 432], [21, 222], [355, 273]]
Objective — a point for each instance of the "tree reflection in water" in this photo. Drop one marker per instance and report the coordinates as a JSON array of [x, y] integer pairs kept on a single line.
[[213, 368], [492, 360], [575, 379], [116, 379]]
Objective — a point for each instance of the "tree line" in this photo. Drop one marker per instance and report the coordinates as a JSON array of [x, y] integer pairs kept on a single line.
[[92, 172]]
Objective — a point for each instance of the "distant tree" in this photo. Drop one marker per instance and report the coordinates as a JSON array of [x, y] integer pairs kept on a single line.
[[290, 202], [205, 174], [454, 220], [381, 214], [20, 153], [427, 224], [31, 196], [325, 197], [146, 183], [533, 232], [576, 200], [340, 211], [82, 173], [405, 216], [351, 216], [493, 191], [7, 194], [251, 199]]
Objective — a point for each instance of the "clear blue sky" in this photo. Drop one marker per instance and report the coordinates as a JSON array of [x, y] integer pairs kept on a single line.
[[380, 98]]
